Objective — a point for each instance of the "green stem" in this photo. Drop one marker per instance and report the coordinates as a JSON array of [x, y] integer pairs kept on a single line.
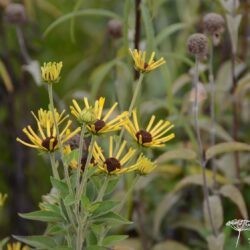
[[80, 156], [54, 167], [85, 172], [200, 146], [66, 173], [103, 189], [131, 106]]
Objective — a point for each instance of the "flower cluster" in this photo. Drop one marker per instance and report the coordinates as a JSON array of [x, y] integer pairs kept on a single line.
[[98, 121]]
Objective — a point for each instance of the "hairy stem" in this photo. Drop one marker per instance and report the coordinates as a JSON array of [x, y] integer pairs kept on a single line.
[[65, 167]]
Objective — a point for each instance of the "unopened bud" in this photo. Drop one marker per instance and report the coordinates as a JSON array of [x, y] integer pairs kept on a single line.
[[87, 116]]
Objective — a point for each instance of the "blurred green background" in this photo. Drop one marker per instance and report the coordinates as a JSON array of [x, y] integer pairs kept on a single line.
[[96, 62]]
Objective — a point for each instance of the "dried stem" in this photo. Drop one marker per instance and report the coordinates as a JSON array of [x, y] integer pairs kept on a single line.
[[200, 146], [212, 107]]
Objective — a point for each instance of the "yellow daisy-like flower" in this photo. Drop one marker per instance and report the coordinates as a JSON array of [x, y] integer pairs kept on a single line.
[[46, 138], [114, 164], [51, 72], [151, 136], [17, 246], [145, 165], [3, 198], [141, 65], [100, 124]]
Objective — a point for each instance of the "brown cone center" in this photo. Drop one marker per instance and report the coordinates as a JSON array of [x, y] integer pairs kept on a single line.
[[99, 124], [46, 143], [112, 164], [144, 135]]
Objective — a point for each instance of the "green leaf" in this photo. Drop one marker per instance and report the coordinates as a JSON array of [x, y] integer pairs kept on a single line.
[[56, 229], [104, 207], [110, 240], [73, 155], [169, 30], [216, 212], [99, 74], [94, 247], [6, 77], [88, 12], [60, 185], [42, 215], [182, 153], [170, 245], [226, 147], [148, 24], [216, 242], [38, 241], [233, 193], [69, 200], [111, 218], [3, 242]]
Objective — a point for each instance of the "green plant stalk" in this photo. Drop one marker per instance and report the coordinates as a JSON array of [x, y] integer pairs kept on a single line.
[[120, 206], [84, 224], [200, 146], [80, 155], [85, 174], [82, 187], [103, 189], [131, 106], [53, 165], [56, 175], [212, 107], [51, 101]]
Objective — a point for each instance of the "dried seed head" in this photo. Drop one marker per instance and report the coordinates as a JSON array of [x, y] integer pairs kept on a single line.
[[197, 45], [214, 25], [115, 28], [15, 13]]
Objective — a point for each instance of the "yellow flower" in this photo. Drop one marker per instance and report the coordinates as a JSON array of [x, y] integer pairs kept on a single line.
[[3, 198], [114, 163], [145, 165], [141, 65], [151, 136], [51, 72], [16, 246], [100, 124], [46, 138]]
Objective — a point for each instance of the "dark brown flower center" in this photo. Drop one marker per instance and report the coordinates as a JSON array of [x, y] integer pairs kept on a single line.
[[99, 124], [46, 143], [144, 135], [145, 65], [112, 164]]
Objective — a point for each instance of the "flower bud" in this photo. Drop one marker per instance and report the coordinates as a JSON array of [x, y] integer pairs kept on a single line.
[[15, 13], [115, 28], [87, 116], [197, 45]]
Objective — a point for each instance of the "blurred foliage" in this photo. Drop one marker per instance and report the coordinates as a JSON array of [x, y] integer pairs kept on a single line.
[[167, 205]]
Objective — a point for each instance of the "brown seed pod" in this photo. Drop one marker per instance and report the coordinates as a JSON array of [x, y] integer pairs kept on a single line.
[[15, 13], [214, 25], [197, 45], [115, 28]]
